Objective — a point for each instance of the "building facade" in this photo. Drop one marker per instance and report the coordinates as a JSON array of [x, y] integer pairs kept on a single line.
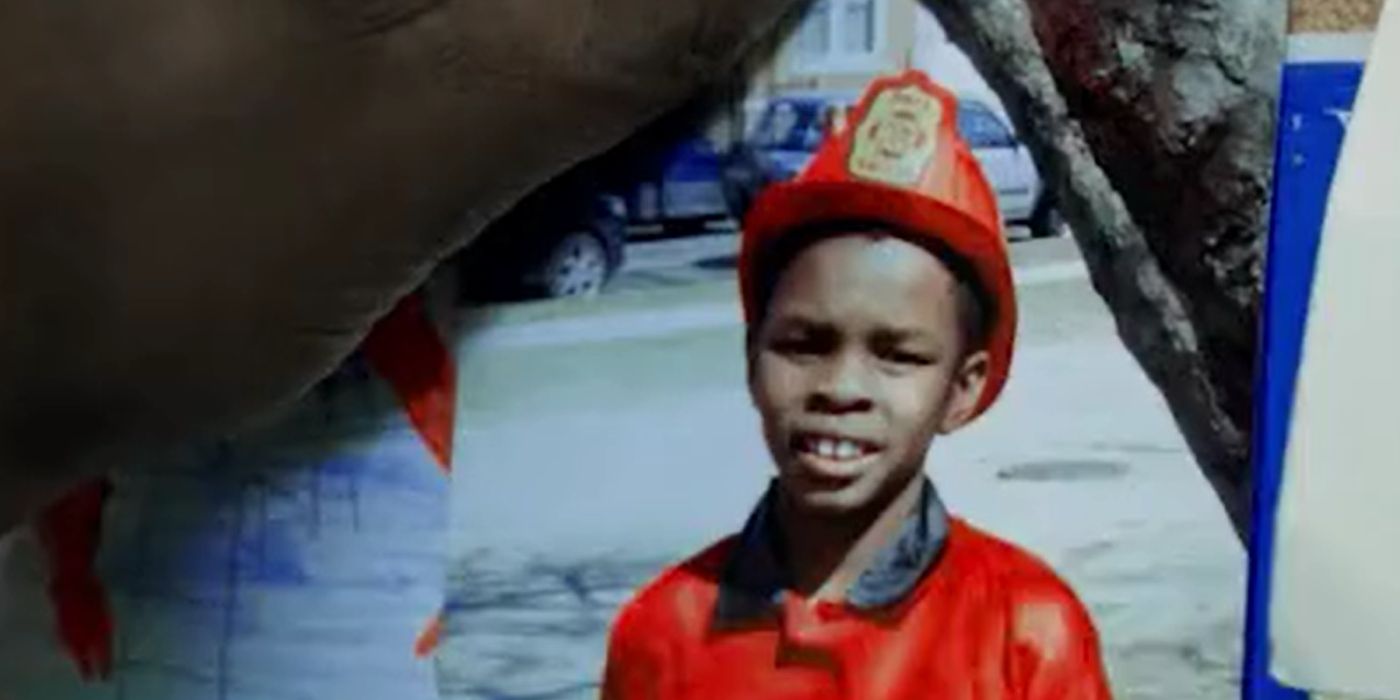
[[838, 46]]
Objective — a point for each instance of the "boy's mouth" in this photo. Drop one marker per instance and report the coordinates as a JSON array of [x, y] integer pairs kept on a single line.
[[830, 456], [833, 447]]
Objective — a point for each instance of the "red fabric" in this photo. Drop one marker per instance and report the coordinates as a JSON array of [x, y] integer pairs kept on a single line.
[[405, 349], [429, 639], [70, 532], [989, 622]]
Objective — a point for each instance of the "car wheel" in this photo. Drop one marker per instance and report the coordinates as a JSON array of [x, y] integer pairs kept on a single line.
[[577, 267], [1047, 222]]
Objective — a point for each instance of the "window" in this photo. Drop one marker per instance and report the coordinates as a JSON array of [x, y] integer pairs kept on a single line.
[[982, 129], [791, 125], [839, 31], [814, 40], [779, 126], [858, 27]]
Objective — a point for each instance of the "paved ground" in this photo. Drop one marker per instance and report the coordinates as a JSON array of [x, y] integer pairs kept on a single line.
[[602, 439]]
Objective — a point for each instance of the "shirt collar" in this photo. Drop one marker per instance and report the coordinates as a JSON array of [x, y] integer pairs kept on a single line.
[[756, 573]]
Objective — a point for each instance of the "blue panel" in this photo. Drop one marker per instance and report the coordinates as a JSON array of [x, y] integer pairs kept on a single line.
[[1313, 99]]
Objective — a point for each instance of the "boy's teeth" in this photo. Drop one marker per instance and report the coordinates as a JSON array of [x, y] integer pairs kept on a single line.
[[846, 450], [834, 448]]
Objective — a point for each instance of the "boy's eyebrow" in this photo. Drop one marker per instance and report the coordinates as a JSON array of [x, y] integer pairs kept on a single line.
[[897, 334], [890, 335], [801, 319]]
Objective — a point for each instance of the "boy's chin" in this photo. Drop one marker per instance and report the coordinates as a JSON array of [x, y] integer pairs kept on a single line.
[[862, 496], [828, 500]]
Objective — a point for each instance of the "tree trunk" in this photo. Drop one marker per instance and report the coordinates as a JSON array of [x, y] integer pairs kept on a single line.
[[1152, 123]]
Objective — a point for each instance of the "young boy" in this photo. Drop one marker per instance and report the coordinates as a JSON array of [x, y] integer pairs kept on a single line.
[[880, 313]]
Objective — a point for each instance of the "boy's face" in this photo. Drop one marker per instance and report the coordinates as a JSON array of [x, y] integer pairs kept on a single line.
[[857, 364]]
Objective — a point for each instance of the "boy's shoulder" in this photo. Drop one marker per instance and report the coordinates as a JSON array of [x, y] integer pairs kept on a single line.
[[990, 554], [984, 554], [1043, 609]]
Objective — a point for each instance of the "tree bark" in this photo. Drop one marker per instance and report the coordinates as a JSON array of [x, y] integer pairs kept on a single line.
[[1153, 125]]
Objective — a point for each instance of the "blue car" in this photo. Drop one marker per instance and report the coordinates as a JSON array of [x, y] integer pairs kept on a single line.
[[683, 189]]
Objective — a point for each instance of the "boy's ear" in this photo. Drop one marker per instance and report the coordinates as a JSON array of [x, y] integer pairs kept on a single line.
[[750, 338], [965, 391]]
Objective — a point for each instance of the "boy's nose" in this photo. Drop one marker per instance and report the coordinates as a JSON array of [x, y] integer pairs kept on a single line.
[[842, 387]]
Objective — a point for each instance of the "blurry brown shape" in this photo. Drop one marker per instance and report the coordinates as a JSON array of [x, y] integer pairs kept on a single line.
[[1334, 15], [206, 204]]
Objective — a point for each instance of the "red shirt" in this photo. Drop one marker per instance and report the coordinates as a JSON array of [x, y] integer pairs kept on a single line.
[[986, 621]]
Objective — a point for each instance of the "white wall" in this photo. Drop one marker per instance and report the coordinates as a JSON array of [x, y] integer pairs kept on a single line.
[[946, 63], [932, 53]]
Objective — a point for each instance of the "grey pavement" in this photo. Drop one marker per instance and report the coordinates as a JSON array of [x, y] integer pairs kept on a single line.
[[601, 440]]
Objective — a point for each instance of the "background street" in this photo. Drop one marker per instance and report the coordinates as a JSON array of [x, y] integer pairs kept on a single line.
[[601, 439]]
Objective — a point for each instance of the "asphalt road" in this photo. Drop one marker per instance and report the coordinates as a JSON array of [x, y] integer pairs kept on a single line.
[[601, 439]]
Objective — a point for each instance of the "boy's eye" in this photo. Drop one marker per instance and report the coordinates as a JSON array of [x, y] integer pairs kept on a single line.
[[801, 340], [906, 357], [797, 345]]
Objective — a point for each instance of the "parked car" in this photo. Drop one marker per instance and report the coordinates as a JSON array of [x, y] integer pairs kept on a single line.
[[682, 190], [566, 239], [783, 140], [790, 129]]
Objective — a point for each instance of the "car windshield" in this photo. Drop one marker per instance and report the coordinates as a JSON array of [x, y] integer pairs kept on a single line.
[[981, 128], [790, 126]]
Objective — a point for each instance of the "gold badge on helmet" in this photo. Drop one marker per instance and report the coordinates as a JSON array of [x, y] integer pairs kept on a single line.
[[896, 140]]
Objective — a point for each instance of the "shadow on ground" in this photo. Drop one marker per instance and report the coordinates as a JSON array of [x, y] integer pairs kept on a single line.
[[535, 628]]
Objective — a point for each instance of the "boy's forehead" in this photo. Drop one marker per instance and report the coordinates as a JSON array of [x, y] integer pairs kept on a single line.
[[869, 269], [869, 258]]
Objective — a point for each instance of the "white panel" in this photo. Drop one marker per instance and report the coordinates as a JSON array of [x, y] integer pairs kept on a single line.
[[1335, 610]]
